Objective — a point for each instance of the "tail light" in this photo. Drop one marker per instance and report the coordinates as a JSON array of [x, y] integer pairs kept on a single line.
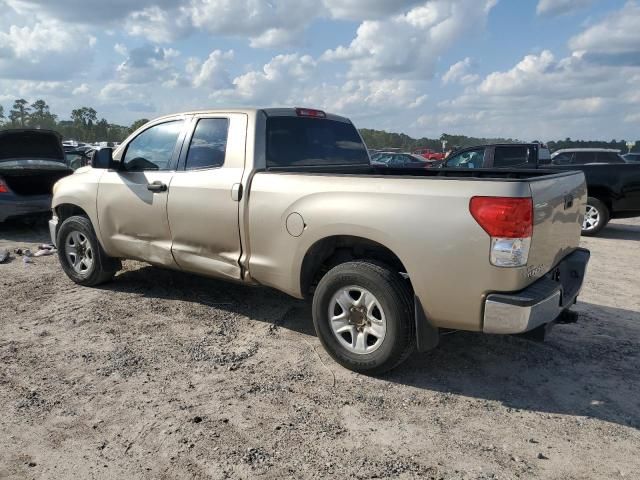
[[509, 223], [3, 187], [309, 112]]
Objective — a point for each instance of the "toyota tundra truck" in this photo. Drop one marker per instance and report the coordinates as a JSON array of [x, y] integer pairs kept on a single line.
[[287, 198]]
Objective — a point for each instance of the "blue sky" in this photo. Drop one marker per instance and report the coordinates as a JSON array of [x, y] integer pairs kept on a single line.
[[529, 69]]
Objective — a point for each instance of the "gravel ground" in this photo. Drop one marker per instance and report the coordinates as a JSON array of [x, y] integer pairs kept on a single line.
[[166, 375]]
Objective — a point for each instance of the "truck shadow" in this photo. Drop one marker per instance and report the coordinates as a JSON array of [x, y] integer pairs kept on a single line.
[[589, 369]]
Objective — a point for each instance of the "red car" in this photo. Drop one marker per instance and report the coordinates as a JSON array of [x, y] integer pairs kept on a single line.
[[429, 154]]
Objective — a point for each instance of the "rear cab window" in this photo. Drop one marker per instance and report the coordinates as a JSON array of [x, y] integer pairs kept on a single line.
[[510, 156], [301, 142]]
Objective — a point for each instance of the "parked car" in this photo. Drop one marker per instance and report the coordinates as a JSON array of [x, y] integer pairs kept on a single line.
[[287, 198], [613, 184], [399, 160], [429, 153], [31, 161], [80, 157], [586, 156], [632, 157]]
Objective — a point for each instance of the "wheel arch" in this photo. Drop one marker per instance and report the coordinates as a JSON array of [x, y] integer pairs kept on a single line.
[[333, 250]]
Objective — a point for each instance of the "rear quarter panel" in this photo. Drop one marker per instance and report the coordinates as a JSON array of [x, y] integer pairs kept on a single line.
[[424, 221]]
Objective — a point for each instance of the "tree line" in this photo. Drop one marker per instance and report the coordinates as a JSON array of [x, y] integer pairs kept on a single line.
[[83, 124]]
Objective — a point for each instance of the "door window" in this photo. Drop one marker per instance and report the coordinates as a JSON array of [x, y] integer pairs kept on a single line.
[[153, 148], [209, 144], [510, 156], [562, 159], [467, 159], [584, 157]]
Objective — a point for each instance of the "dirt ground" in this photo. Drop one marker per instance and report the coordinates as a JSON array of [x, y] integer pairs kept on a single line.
[[166, 375]]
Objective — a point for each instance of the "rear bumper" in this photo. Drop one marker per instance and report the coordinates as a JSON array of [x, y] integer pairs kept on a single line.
[[541, 302], [18, 206]]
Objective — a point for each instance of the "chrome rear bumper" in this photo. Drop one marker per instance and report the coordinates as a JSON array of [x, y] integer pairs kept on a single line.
[[541, 302]]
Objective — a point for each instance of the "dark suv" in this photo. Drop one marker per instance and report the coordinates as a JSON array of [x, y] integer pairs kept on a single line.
[[613, 184]]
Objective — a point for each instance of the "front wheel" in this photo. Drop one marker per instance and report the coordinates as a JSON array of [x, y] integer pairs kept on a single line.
[[362, 313], [81, 255], [596, 217]]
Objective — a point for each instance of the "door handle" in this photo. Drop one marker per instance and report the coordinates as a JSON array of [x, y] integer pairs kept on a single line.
[[157, 186]]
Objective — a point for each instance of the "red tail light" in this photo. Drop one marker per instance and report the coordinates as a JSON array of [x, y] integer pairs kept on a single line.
[[3, 187], [309, 112], [503, 217]]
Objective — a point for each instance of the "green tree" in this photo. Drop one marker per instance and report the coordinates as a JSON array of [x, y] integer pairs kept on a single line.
[[41, 116], [84, 116], [137, 124], [1, 115], [20, 113]]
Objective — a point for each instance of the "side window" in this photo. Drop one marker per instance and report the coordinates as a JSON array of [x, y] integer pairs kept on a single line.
[[609, 157], [467, 159], [584, 157], [209, 144], [510, 156], [562, 159], [153, 148]]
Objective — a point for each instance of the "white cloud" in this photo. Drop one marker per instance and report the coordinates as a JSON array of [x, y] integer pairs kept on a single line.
[[367, 9], [615, 40], [560, 7], [43, 50], [408, 45], [81, 89], [267, 24], [145, 64], [211, 73], [459, 73]]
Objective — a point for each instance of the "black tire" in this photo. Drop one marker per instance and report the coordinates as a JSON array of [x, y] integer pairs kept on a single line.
[[102, 268], [602, 218], [394, 297]]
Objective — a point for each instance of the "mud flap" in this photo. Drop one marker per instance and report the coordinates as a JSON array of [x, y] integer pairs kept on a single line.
[[427, 336]]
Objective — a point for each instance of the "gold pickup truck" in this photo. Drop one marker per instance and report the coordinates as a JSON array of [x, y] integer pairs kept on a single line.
[[288, 198]]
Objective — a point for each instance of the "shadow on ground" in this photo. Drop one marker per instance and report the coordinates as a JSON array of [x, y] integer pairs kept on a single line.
[[588, 369], [617, 231], [27, 231]]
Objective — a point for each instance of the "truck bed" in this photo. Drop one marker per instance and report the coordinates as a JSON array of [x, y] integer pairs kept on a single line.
[[447, 173], [427, 224]]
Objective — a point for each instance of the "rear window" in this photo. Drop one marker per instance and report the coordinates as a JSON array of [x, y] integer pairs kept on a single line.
[[297, 142], [609, 157], [30, 145], [510, 156]]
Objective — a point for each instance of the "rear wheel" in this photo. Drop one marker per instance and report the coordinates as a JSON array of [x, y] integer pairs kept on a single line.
[[81, 255], [596, 217], [362, 313]]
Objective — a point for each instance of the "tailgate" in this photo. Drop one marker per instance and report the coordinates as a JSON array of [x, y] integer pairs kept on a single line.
[[558, 210]]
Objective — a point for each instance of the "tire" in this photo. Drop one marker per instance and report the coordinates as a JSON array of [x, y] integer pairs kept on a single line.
[[92, 265], [384, 332], [596, 217]]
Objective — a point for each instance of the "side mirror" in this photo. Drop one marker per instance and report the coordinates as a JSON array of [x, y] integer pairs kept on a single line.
[[103, 158]]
